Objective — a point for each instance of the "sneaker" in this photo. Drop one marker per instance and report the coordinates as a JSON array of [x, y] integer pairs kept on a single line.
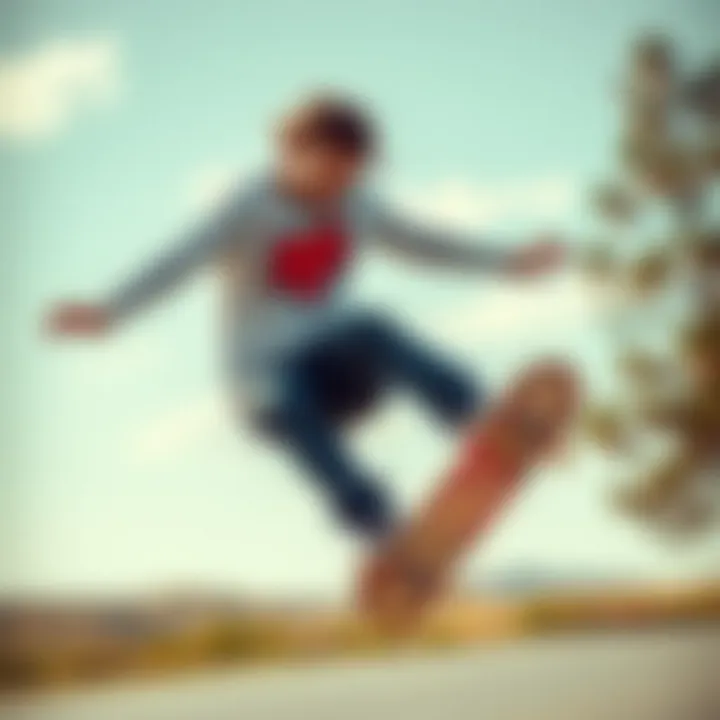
[[366, 509]]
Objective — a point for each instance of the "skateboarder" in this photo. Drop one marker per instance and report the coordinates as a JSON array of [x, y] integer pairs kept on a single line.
[[302, 359]]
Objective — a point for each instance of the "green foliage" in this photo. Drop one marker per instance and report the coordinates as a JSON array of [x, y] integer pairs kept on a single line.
[[247, 640], [606, 427], [584, 612], [702, 92], [705, 250], [651, 272], [615, 203], [642, 367], [600, 264], [680, 396]]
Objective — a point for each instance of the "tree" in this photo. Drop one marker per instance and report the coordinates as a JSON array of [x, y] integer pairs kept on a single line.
[[666, 419]]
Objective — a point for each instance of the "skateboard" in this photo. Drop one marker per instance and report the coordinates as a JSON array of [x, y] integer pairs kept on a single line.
[[403, 577]]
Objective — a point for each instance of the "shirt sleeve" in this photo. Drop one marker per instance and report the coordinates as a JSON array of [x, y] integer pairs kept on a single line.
[[420, 242], [189, 253]]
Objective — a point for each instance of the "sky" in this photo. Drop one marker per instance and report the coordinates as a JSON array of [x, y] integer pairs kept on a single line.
[[120, 122]]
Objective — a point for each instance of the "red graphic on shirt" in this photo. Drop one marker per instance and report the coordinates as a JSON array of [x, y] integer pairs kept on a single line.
[[305, 264]]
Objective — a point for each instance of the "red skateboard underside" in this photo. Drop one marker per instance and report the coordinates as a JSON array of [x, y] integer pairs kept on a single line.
[[496, 457]]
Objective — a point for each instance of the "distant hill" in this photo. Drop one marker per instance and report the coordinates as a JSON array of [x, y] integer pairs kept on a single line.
[[528, 579], [64, 622]]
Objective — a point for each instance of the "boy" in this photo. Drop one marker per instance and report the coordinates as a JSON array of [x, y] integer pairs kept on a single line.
[[305, 361]]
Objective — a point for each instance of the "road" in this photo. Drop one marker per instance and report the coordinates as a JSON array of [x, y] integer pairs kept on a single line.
[[669, 676]]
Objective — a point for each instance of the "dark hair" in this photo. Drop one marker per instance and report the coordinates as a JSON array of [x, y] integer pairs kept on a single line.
[[335, 123]]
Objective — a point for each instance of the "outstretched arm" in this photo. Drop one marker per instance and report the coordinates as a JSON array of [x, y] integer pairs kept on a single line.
[[187, 254], [420, 242]]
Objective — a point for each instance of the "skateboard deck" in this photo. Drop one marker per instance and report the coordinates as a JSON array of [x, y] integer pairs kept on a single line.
[[401, 579]]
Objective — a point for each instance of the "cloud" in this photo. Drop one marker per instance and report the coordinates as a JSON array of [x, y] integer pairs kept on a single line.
[[125, 358], [209, 186], [44, 90], [180, 428], [512, 311], [462, 202]]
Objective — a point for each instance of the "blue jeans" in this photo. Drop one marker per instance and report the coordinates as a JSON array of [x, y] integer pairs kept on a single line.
[[344, 375]]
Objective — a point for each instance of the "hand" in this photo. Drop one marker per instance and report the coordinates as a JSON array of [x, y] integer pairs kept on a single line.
[[78, 320], [539, 258]]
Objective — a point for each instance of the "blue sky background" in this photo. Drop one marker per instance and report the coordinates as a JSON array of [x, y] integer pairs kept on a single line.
[[123, 471]]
